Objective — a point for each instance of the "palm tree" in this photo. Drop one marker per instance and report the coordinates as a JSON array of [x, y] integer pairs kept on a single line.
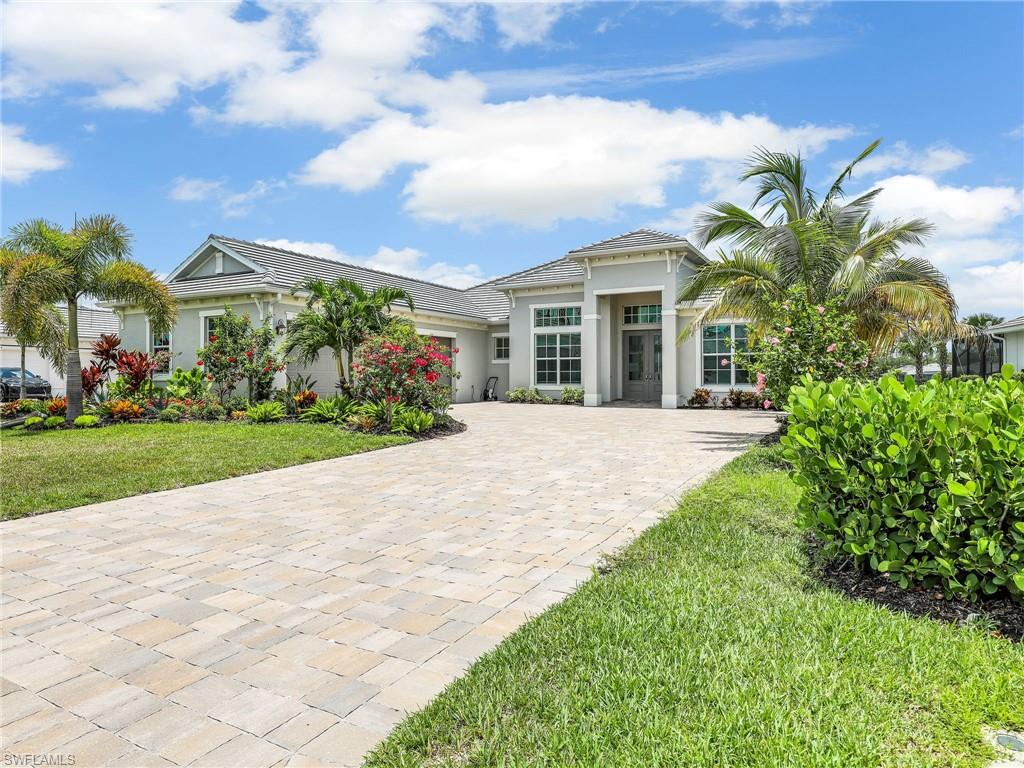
[[981, 322], [39, 325], [89, 260], [340, 315], [829, 247]]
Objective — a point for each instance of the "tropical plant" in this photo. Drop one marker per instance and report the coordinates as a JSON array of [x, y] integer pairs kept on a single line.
[[340, 315], [89, 260], [571, 396], [38, 325], [266, 412], [701, 396], [330, 410], [33, 422], [171, 414], [805, 338], [400, 366], [96, 377], [58, 406], [304, 399], [87, 421], [124, 410], [188, 385], [134, 373], [237, 351], [52, 422], [363, 422], [922, 482], [829, 247], [294, 384], [412, 421], [527, 395]]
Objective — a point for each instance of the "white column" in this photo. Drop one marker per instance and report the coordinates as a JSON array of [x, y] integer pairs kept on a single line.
[[605, 344], [669, 350], [591, 351]]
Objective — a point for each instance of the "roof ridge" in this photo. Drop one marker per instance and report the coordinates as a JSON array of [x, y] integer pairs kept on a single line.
[[626, 234], [504, 278], [337, 261]]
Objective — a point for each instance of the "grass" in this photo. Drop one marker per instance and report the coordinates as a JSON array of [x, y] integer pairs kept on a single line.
[[707, 644], [44, 471]]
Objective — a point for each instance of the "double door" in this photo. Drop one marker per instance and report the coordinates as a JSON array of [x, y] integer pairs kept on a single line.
[[641, 353]]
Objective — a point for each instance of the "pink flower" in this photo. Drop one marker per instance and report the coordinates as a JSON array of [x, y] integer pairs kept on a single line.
[[831, 347], [431, 376], [761, 380], [767, 404], [788, 330], [774, 340], [420, 362], [821, 310], [724, 361], [839, 364]]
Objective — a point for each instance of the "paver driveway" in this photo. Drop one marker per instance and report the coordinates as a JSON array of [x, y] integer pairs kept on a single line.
[[292, 617]]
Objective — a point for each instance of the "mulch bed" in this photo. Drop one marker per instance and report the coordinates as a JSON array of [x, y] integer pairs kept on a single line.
[[448, 428], [842, 575]]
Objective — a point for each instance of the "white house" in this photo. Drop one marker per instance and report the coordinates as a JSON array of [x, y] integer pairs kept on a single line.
[[1012, 334], [604, 317], [92, 322]]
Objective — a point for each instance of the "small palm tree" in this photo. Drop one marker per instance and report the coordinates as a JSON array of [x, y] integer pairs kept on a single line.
[[40, 325], [89, 260], [339, 315], [830, 247]]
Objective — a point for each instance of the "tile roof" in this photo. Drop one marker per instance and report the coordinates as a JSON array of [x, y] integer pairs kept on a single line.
[[557, 272], [92, 321], [637, 240], [1014, 323]]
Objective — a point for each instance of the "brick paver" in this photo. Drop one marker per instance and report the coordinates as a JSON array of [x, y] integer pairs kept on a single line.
[[292, 617]]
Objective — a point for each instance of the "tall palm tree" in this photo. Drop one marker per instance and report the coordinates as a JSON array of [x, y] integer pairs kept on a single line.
[[40, 325], [89, 260], [339, 315], [981, 322], [828, 246]]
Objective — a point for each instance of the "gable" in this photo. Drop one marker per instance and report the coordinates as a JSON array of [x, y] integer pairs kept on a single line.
[[216, 262]]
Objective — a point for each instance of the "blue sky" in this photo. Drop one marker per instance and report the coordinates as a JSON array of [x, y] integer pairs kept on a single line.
[[462, 142]]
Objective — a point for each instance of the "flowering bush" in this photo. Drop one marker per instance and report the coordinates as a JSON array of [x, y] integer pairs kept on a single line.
[[236, 352], [804, 337], [399, 366]]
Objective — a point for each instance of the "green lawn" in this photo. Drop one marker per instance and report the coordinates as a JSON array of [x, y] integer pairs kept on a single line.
[[44, 471], [707, 645]]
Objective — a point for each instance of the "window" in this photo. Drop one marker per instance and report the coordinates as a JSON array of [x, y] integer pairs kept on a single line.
[[641, 314], [546, 317], [558, 358], [725, 354], [162, 343], [210, 326], [501, 348]]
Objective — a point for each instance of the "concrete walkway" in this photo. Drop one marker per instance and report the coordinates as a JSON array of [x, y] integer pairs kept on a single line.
[[293, 617]]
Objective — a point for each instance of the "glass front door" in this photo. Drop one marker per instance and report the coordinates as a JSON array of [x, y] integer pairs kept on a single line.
[[641, 375]]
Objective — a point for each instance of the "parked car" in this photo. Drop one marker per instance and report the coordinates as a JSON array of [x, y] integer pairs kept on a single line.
[[10, 384]]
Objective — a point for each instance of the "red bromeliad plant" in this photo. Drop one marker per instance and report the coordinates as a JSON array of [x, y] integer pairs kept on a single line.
[[399, 366]]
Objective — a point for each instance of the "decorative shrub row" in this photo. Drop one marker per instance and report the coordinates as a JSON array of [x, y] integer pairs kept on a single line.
[[569, 396], [924, 483]]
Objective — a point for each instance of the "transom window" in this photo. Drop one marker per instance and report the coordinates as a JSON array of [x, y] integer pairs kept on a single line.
[[641, 314], [725, 354], [546, 317], [501, 348], [162, 343], [558, 358]]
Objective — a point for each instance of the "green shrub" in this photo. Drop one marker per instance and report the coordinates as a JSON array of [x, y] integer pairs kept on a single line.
[[31, 406], [188, 385], [52, 422], [412, 421], [923, 482], [524, 395], [266, 412], [211, 411], [33, 422], [803, 337], [87, 421], [330, 410], [171, 414], [572, 396], [382, 411], [700, 397]]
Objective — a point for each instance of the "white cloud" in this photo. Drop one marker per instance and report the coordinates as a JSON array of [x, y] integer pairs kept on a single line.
[[995, 288], [232, 204], [777, 13], [955, 211], [536, 161], [401, 261], [936, 159], [528, 23], [1015, 133], [21, 158], [135, 55]]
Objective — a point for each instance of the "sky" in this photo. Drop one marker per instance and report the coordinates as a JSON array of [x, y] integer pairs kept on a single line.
[[461, 142]]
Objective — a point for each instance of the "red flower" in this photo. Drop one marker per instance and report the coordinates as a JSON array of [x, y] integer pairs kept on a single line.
[[210, 377], [232, 359], [213, 337], [249, 353], [421, 362], [199, 363], [432, 376]]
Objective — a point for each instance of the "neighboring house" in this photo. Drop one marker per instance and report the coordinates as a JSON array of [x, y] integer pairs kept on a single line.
[[603, 317], [1012, 335], [92, 322]]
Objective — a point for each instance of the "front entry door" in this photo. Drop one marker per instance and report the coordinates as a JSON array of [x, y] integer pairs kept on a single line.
[[641, 353]]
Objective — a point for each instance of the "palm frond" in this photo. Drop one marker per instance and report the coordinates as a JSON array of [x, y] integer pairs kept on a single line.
[[726, 220], [836, 190], [130, 282]]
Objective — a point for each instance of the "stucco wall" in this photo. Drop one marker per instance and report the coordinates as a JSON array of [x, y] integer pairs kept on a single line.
[[521, 336], [1013, 348]]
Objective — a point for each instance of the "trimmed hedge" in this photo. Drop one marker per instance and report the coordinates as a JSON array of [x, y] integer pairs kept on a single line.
[[925, 483]]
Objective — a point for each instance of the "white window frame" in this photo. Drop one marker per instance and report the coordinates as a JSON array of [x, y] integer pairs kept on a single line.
[[555, 329], [151, 349], [732, 323], [203, 315], [494, 349], [641, 326]]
